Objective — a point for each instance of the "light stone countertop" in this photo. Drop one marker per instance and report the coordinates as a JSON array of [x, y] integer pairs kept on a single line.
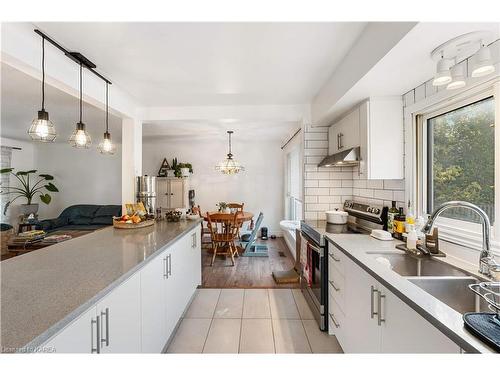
[[443, 317], [44, 290]]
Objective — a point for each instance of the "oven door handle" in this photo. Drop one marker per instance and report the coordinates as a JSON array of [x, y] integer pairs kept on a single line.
[[317, 249]]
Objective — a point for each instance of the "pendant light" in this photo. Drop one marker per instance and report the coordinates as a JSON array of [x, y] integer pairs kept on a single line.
[[42, 129], [80, 138], [483, 64], [106, 146], [229, 165]]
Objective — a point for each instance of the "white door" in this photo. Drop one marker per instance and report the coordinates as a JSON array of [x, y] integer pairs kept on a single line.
[[120, 314], [405, 331], [79, 337], [162, 193], [176, 193], [362, 330], [154, 305]]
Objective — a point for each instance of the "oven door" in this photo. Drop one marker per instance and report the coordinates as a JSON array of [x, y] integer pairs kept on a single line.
[[313, 280]]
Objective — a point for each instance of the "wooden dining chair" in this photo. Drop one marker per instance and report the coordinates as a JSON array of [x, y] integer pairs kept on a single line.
[[224, 229], [238, 207], [205, 232]]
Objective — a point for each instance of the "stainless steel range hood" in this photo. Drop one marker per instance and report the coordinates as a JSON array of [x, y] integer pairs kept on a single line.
[[348, 157]]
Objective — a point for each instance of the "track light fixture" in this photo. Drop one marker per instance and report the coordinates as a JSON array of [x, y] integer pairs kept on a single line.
[[106, 146], [483, 64], [457, 77], [80, 138], [443, 75]]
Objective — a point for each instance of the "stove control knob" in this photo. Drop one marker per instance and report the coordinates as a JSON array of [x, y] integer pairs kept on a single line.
[[369, 209], [376, 211]]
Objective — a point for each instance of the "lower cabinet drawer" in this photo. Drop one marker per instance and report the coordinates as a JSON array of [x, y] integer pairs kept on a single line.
[[336, 259], [336, 320], [336, 287]]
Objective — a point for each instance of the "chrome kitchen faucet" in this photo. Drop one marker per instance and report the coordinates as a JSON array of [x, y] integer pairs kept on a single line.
[[486, 261]]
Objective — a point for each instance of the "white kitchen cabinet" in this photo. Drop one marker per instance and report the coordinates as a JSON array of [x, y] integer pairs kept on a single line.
[[172, 192], [120, 313], [377, 321], [381, 138], [78, 337], [403, 330], [154, 304], [344, 134]]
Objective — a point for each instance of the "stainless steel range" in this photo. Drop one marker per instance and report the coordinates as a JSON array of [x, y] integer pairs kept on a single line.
[[314, 278]]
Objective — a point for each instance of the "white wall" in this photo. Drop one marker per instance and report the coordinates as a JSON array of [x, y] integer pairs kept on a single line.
[[23, 159], [260, 186], [82, 176]]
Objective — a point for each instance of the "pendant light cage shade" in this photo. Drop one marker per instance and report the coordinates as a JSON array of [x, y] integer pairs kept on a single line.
[[80, 138], [106, 147], [229, 166], [42, 129], [483, 64]]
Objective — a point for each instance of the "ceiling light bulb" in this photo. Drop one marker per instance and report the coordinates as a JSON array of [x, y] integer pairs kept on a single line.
[[80, 138], [443, 75], [42, 129], [106, 146], [458, 77], [483, 64]]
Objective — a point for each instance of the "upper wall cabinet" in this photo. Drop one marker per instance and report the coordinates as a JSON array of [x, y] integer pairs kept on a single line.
[[344, 134], [376, 126], [381, 138]]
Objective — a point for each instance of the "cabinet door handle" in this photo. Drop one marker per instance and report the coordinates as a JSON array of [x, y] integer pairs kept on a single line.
[[340, 138], [169, 265], [337, 325], [379, 307], [338, 141], [333, 286], [106, 314], [165, 268], [97, 324], [372, 302], [193, 242], [335, 259]]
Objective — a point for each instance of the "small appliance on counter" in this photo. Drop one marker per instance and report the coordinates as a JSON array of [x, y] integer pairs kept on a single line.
[[146, 192], [263, 233]]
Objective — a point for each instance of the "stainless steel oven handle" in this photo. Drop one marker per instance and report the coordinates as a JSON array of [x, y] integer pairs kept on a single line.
[[315, 248]]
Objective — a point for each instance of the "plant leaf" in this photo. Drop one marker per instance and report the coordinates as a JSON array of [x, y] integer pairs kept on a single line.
[[48, 177], [6, 170], [45, 198], [51, 187]]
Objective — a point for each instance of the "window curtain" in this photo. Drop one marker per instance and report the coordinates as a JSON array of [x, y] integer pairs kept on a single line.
[[5, 162]]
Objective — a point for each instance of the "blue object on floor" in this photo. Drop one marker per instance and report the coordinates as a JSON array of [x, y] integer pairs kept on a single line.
[[251, 249]]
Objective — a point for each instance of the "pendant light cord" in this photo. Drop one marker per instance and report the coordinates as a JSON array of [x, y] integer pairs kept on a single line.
[[81, 74], [43, 74], [107, 111]]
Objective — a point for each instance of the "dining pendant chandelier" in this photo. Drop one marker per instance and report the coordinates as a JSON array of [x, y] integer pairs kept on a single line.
[[42, 129], [80, 137], [229, 165], [106, 146]]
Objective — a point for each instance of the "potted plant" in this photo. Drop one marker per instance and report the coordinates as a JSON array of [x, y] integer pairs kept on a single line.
[[223, 207], [186, 169], [28, 189]]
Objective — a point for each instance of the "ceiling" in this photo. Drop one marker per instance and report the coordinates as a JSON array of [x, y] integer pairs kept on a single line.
[[409, 63], [21, 100], [198, 129], [187, 64]]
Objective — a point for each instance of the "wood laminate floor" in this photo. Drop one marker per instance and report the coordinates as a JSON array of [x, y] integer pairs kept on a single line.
[[248, 272]]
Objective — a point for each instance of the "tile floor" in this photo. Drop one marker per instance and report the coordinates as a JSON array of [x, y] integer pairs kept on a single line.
[[250, 321]]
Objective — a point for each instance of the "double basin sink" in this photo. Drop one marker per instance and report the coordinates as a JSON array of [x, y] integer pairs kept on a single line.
[[445, 282]]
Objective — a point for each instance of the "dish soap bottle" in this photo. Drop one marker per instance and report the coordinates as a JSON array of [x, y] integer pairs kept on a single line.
[[410, 218], [393, 211], [399, 224], [411, 239]]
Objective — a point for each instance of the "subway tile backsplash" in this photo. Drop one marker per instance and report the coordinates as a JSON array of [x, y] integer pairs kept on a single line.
[[327, 188]]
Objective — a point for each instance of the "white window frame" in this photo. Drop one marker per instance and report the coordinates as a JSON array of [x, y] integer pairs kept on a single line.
[[452, 230]]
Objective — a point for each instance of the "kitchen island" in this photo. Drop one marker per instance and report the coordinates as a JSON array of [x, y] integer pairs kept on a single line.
[[91, 294]]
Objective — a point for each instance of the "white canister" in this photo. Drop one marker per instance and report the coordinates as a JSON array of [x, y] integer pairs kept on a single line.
[[336, 217]]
